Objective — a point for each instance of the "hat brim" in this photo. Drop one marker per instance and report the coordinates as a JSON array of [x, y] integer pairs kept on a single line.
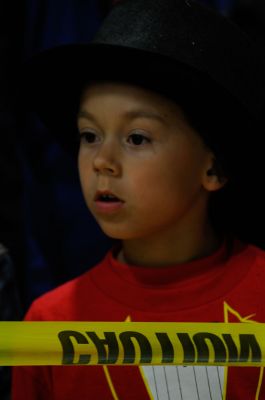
[[53, 82]]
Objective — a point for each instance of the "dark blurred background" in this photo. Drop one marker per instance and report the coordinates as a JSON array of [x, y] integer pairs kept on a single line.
[[47, 232]]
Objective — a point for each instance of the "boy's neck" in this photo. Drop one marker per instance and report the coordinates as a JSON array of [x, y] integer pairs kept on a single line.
[[179, 251]]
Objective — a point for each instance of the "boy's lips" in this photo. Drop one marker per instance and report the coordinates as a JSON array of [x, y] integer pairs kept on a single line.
[[100, 193], [110, 206]]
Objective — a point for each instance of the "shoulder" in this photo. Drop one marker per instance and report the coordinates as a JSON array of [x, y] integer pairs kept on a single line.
[[248, 252], [57, 301], [252, 260], [257, 252], [68, 301], [259, 256]]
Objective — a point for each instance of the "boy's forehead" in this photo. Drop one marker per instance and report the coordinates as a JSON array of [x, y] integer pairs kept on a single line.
[[144, 99], [111, 100], [113, 87]]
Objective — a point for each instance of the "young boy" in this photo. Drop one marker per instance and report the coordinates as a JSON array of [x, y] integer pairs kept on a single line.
[[166, 100]]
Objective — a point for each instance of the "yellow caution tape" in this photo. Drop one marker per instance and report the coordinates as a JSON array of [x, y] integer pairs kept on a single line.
[[132, 343]]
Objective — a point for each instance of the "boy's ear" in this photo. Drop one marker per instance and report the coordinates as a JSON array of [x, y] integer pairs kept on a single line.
[[214, 178]]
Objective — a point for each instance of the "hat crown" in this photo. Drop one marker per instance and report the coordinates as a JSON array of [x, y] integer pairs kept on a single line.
[[192, 34], [161, 26]]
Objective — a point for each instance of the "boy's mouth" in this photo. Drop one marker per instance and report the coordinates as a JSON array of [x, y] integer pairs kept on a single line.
[[106, 196], [107, 202]]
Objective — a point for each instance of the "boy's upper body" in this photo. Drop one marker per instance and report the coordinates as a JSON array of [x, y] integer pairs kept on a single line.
[[147, 176], [223, 287]]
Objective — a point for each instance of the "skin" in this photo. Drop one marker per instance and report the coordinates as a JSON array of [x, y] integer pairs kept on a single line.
[[161, 175]]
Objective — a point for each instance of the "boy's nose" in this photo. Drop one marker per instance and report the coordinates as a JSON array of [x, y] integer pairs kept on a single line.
[[106, 161]]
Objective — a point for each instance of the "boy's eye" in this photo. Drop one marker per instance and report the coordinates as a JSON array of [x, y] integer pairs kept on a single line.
[[137, 138], [88, 137]]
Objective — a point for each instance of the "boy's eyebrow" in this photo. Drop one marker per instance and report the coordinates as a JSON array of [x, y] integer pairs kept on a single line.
[[145, 114], [85, 114], [128, 114]]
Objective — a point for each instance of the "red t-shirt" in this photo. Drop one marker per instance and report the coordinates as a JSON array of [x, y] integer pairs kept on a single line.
[[223, 287]]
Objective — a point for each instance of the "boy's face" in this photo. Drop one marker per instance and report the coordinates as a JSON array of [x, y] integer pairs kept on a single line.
[[138, 145]]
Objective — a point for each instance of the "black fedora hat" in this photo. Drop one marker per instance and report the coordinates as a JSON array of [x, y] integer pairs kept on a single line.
[[177, 47]]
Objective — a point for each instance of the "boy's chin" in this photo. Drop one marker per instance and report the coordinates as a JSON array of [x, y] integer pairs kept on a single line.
[[119, 234]]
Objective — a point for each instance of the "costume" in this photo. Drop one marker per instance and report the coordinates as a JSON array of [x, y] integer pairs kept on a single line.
[[221, 287]]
